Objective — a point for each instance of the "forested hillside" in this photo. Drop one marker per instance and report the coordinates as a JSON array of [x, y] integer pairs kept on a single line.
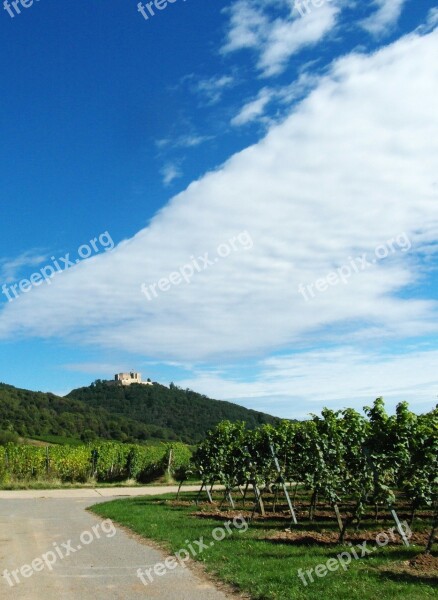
[[135, 413], [38, 414], [188, 414]]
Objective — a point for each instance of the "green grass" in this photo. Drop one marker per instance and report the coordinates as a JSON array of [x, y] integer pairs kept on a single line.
[[57, 484], [267, 569], [58, 440]]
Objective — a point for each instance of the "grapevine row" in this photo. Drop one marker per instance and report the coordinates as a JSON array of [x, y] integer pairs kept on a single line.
[[340, 456], [106, 462]]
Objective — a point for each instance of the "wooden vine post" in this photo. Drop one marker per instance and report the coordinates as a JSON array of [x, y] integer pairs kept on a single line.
[[210, 499], [257, 494], [400, 528], [283, 485]]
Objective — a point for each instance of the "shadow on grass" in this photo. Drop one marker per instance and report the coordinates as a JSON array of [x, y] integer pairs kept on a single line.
[[304, 541], [404, 577]]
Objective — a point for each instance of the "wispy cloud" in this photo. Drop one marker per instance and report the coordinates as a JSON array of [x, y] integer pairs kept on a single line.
[[297, 384], [385, 17], [94, 368], [170, 172], [212, 89], [183, 141], [275, 31], [256, 108], [431, 22], [12, 267]]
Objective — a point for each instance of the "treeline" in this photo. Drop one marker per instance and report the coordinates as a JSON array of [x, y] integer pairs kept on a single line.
[[104, 462]]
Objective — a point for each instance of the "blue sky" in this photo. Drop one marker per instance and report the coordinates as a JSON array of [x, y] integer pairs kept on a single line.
[[282, 166]]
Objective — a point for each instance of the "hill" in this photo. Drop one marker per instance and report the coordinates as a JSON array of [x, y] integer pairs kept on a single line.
[[134, 413], [188, 414], [37, 414]]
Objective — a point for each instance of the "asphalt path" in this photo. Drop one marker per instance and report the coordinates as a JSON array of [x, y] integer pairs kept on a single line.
[[51, 548]]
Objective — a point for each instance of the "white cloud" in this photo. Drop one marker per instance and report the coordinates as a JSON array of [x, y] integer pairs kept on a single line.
[[254, 109], [248, 24], [293, 386], [214, 87], [431, 21], [276, 31], [352, 166], [184, 141], [12, 267], [385, 17], [170, 172], [107, 369]]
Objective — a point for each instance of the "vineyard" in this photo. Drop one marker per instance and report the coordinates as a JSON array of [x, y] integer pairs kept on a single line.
[[103, 462], [344, 462], [349, 462]]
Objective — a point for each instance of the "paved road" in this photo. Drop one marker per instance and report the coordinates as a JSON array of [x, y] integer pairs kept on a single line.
[[103, 568], [97, 493]]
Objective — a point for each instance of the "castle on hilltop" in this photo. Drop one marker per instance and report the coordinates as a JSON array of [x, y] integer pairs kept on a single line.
[[130, 378]]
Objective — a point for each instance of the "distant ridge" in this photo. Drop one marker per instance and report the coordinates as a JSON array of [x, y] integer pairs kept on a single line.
[[188, 414], [131, 413], [30, 414]]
